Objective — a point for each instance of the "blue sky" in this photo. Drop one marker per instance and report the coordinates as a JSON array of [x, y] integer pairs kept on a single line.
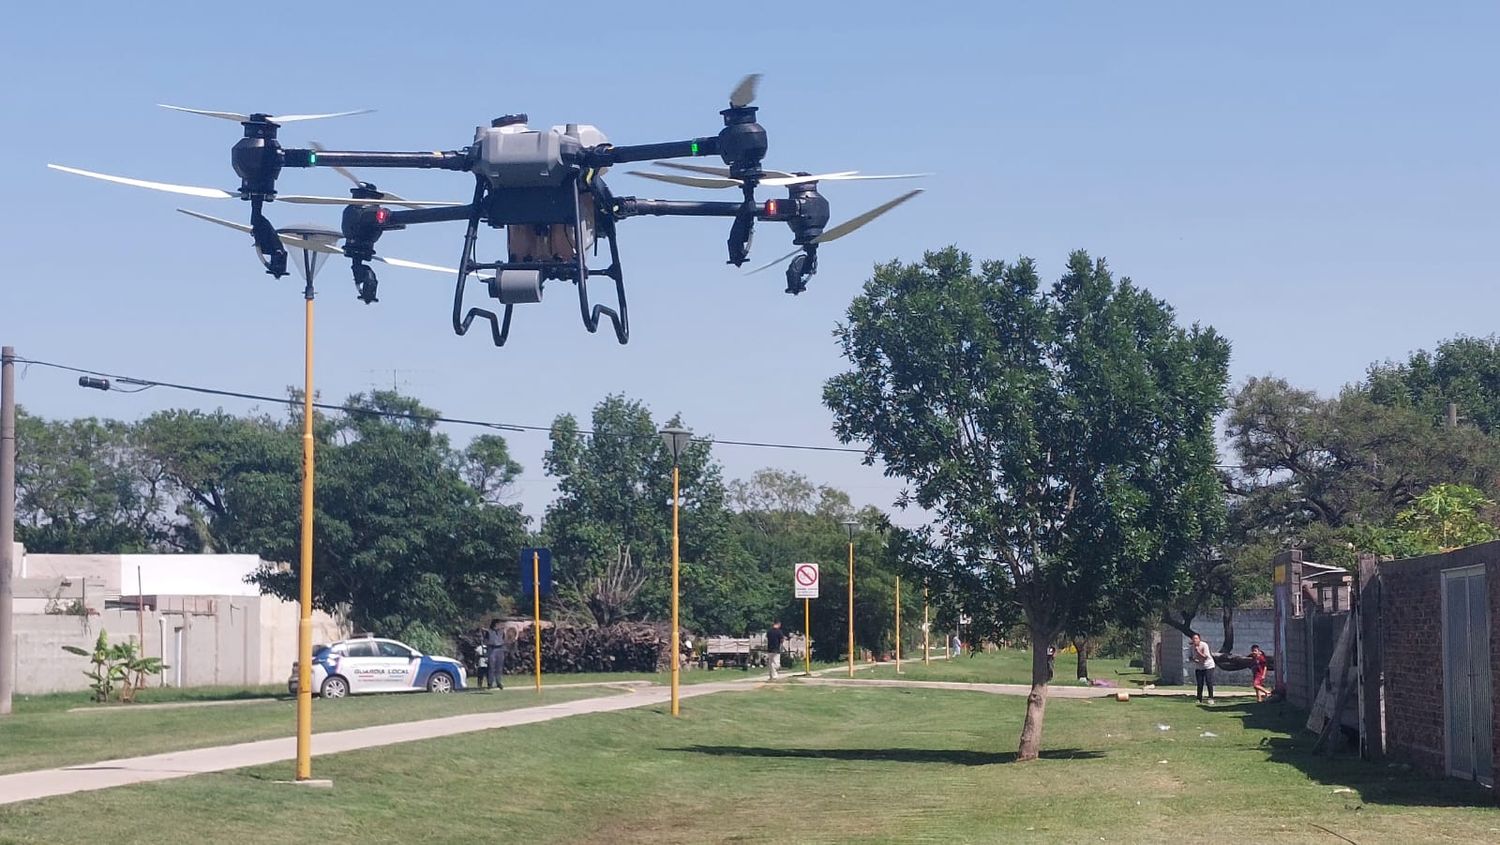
[[1317, 181]]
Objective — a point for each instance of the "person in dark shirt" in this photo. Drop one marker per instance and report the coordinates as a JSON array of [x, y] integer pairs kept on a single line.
[[494, 652], [774, 639]]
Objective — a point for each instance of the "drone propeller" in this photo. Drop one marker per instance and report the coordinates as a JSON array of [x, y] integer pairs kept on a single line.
[[772, 181], [714, 171], [319, 245], [844, 228], [278, 118], [359, 183], [744, 93], [215, 193]]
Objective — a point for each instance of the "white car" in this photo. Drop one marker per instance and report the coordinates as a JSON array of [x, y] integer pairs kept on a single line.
[[370, 664]]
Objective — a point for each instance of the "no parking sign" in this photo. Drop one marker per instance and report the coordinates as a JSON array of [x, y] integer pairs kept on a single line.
[[805, 579]]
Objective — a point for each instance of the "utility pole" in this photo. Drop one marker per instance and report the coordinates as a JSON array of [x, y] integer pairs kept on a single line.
[[7, 525], [1453, 415]]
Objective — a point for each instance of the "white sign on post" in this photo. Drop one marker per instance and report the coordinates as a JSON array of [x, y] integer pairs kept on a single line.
[[805, 577]]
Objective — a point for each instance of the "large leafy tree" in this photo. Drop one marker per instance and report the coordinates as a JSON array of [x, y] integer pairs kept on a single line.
[[615, 501], [1063, 437], [404, 541], [79, 488], [782, 518], [1313, 473], [1464, 371]]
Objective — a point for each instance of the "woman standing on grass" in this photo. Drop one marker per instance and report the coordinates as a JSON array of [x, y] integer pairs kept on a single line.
[[1258, 673], [1203, 661]]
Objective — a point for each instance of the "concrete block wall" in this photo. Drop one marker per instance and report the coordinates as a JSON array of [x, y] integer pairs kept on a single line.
[[1250, 626], [228, 641]]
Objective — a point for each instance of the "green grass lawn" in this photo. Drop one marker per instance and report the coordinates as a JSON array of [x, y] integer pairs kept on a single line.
[[1010, 666], [1005, 666], [49, 731], [795, 763], [689, 676]]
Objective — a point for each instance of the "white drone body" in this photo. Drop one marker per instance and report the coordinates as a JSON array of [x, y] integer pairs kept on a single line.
[[532, 166]]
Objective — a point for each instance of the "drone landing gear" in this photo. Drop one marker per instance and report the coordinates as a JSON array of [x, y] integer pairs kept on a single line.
[[520, 282]]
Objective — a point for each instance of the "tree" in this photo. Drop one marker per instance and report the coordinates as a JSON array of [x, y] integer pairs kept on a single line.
[[206, 461], [1063, 438], [782, 518], [402, 541], [1463, 370], [1314, 473], [78, 489], [615, 498]]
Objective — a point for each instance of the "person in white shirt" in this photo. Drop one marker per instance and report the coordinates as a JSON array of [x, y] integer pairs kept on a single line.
[[1203, 662]]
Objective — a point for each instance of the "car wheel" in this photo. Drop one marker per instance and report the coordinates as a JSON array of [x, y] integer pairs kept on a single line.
[[440, 682], [334, 687]]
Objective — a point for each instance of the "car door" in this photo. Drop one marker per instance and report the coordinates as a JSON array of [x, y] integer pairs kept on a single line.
[[361, 666], [399, 664]]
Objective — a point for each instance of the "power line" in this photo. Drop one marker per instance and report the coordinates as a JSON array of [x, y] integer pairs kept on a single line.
[[145, 384]]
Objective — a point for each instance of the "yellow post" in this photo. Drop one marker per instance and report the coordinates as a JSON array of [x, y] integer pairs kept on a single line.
[[536, 612], [675, 636], [898, 624], [851, 607], [807, 636], [926, 632], [305, 591]]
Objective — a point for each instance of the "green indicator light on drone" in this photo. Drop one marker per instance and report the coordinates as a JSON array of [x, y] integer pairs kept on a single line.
[[312, 158], [694, 148]]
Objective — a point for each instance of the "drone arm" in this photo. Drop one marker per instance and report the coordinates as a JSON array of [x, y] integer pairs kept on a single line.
[[772, 210], [448, 160], [441, 214], [606, 155], [635, 207]]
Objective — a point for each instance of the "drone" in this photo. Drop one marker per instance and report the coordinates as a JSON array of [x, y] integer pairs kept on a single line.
[[545, 188]]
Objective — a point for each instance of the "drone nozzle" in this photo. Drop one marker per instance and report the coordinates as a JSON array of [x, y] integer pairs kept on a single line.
[[365, 282]]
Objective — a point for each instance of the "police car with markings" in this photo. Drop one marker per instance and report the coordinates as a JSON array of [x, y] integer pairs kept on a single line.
[[370, 664]]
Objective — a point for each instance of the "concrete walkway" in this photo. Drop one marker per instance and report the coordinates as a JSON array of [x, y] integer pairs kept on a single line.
[[25, 786]]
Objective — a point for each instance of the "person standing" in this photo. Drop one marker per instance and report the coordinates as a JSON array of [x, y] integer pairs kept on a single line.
[[774, 638], [954, 645], [1203, 668], [494, 652], [1258, 673]]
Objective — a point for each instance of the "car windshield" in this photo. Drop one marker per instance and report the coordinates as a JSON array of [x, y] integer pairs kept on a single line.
[[319, 651]]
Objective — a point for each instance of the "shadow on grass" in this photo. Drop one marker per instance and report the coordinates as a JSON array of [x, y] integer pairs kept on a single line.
[[1375, 782], [952, 757]]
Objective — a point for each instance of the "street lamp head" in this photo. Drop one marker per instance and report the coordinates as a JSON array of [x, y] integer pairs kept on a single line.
[[677, 440], [850, 525], [315, 243]]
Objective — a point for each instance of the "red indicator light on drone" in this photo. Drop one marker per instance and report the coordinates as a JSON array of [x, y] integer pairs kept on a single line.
[[771, 208], [382, 215]]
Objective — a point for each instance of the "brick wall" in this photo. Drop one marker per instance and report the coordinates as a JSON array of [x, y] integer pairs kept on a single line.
[[1411, 641]]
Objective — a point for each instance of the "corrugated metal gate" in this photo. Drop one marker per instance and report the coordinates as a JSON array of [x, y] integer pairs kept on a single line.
[[1468, 720]]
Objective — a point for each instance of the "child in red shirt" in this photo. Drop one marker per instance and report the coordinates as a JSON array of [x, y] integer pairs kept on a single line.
[[1258, 673]]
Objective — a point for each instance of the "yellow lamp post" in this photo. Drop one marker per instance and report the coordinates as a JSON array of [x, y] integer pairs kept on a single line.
[[314, 245], [850, 525], [677, 440]]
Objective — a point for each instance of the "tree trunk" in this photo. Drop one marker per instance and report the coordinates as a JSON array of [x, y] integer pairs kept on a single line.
[[1036, 701], [1228, 646], [1082, 647]]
